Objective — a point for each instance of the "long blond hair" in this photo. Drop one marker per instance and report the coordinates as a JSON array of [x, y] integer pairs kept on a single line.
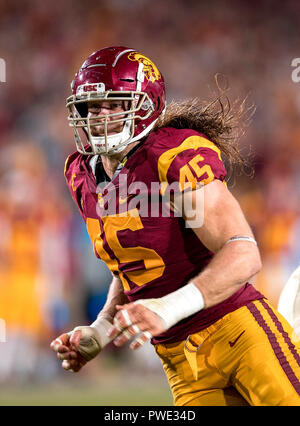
[[222, 121]]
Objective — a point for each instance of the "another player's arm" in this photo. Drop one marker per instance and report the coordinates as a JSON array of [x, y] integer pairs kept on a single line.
[[84, 343]]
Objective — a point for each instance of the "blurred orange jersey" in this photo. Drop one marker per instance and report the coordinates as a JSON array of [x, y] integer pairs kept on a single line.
[[151, 249]]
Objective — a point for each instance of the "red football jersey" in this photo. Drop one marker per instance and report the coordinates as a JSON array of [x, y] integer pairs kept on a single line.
[[148, 246]]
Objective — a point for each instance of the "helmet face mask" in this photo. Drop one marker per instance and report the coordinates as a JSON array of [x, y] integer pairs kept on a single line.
[[116, 74], [107, 144]]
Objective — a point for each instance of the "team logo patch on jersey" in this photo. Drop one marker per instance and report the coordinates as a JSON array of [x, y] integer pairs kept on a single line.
[[150, 70]]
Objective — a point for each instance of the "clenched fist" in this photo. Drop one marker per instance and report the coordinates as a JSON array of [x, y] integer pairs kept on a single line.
[[81, 345]]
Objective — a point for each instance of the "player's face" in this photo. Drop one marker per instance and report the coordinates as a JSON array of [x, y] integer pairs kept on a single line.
[[98, 110]]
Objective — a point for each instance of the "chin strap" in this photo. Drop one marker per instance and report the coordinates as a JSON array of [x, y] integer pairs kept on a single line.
[[115, 143], [117, 140]]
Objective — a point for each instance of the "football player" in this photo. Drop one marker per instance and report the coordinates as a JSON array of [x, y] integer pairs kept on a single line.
[[184, 284]]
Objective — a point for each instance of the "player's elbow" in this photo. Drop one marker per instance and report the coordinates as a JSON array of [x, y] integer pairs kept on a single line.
[[248, 260], [254, 262], [256, 267]]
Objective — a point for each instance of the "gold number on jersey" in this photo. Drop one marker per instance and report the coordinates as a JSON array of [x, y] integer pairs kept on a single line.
[[72, 183], [186, 175], [154, 264]]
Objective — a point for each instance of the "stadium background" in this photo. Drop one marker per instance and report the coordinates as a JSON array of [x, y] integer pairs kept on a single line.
[[49, 278]]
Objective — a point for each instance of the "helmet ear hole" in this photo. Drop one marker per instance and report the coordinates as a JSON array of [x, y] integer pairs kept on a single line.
[[158, 104], [129, 80]]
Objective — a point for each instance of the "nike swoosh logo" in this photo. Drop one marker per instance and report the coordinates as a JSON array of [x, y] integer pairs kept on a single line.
[[234, 342]]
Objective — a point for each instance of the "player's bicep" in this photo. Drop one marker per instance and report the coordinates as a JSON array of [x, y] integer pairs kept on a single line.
[[222, 216]]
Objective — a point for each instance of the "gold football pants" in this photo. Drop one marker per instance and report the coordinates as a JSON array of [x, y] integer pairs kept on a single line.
[[249, 357]]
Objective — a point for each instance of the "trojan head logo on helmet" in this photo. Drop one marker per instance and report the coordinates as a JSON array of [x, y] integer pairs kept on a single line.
[[117, 74], [150, 69]]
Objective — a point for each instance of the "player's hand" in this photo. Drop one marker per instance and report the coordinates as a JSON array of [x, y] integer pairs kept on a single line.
[[76, 348], [83, 343], [66, 347], [135, 321]]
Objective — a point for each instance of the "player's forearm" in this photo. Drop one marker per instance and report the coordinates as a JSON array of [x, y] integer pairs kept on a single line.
[[115, 296], [229, 269]]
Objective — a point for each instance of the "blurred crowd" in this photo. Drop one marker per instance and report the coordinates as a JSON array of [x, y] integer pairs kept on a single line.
[[49, 278]]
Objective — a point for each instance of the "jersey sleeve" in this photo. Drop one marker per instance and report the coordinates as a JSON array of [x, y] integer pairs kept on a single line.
[[194, 162], [74, 178]]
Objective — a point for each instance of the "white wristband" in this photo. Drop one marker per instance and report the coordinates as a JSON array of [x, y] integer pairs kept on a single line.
[[177, 305], [101, 325], [241, 238]]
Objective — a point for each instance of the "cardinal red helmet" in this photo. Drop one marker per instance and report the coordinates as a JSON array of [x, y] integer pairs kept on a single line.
[[118, 74]]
